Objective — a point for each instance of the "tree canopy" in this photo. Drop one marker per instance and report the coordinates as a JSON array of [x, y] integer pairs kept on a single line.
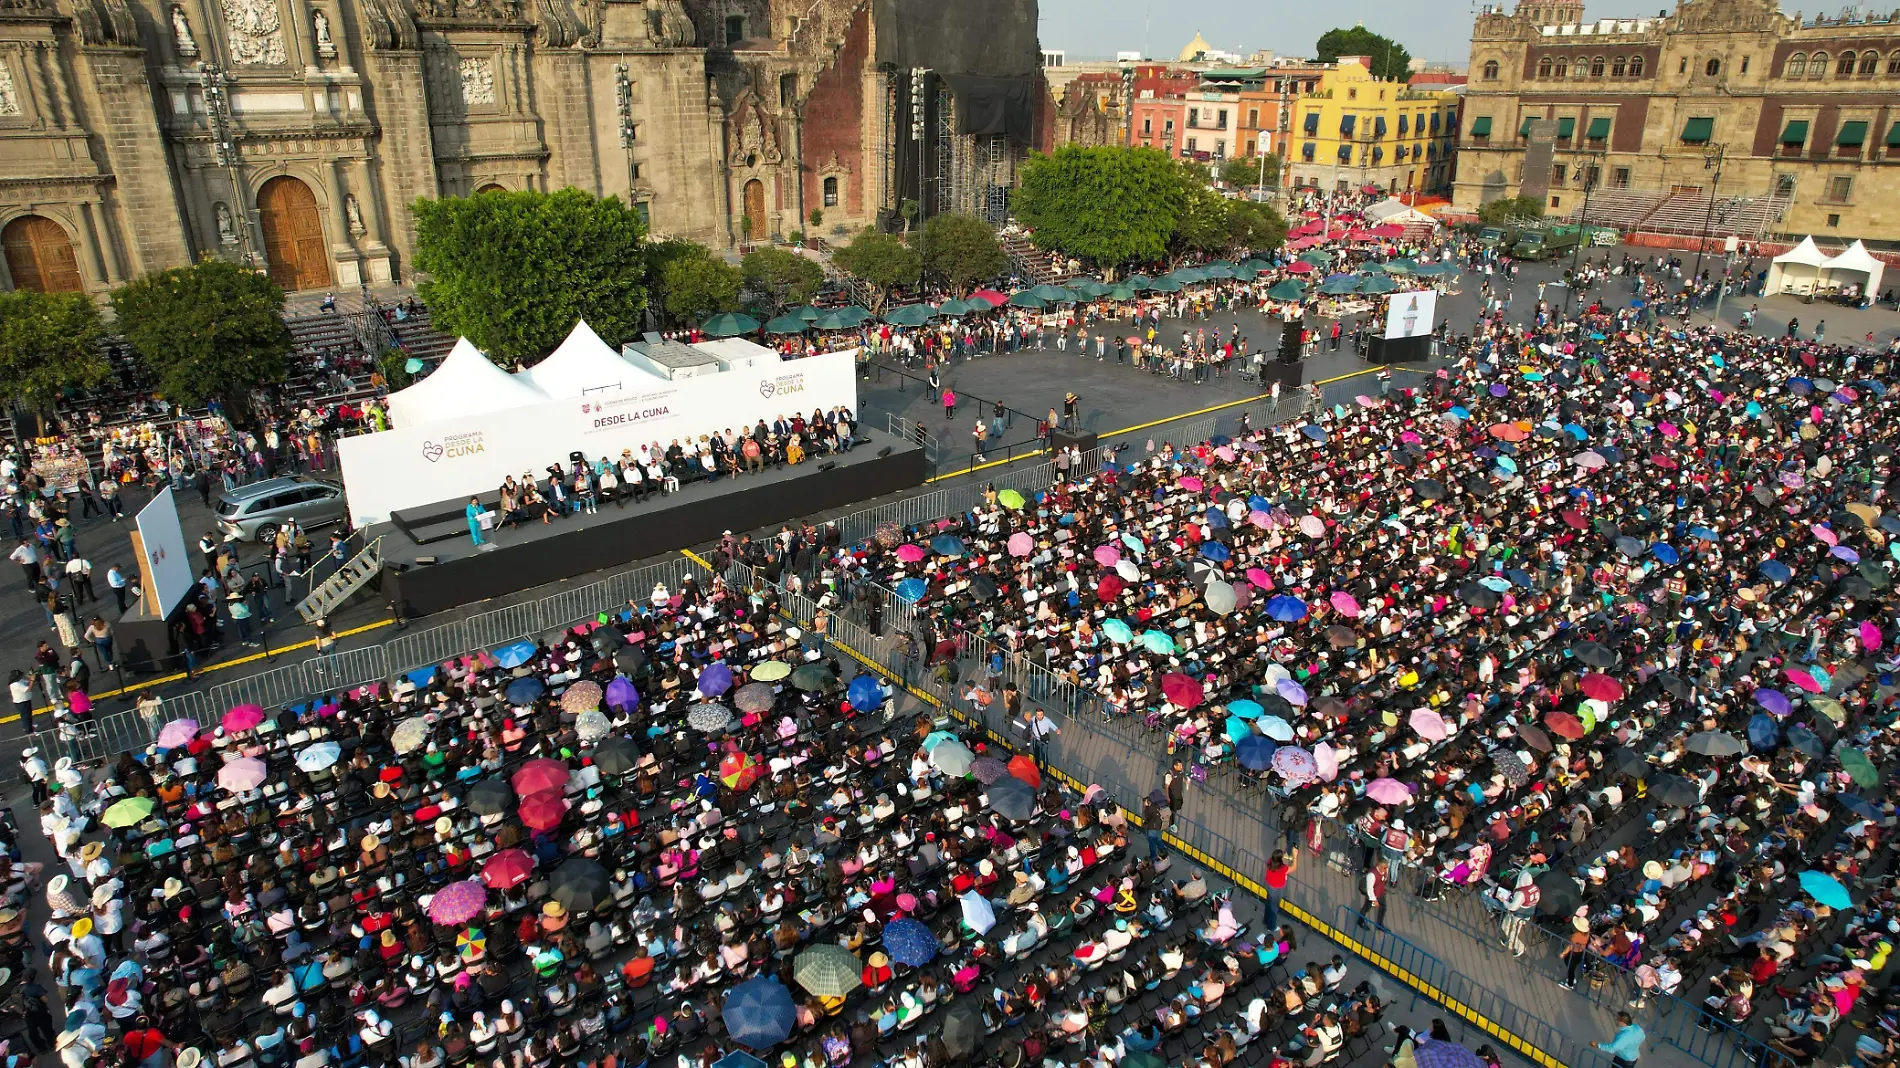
[[1507, 209], [1254, 227], [961, 251], [781, 278], [210, 331], [49, 343], [693, 283], [1105, 204], [1244, 172], [1389, 58], [512, 271], [882, 259]]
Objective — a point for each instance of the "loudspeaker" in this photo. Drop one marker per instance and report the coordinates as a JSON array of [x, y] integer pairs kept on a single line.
[[827, 465], [1289, 375], [883, 452], [425, 560]]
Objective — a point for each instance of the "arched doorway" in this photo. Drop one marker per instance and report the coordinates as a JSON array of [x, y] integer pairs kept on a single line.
[[491, 188], [293, 234], [755, 210], [40, 256]]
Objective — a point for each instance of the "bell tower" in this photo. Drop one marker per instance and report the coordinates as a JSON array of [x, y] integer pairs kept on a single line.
[[1551, 12]]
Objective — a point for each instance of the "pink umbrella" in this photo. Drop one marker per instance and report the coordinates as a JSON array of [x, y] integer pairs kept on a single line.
[[1364, 401], [1803, 680], [1388, 230], [1669, 430], [1327, 761], [1181, 691], [1021, 544], [242, 718], [1589, 461], [176, 733], [1259, 577], [1299, 267], [244, 773], [1226, 453], [910, 554], [1869, 636], [1191, 484], [1260, 519], [1429, 725], [1388, 791], [1344, 604], [1826, 535], [458, 903], [510, 867], [1601, 687], [1312, 526], [1409, 437], [1107, 555]]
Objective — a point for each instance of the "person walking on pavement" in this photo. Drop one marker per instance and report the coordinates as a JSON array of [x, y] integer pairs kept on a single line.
[[1626, 1046], [1375, 891], [1175, 783], [1041, 729], [1275, 878], [1154, 821]]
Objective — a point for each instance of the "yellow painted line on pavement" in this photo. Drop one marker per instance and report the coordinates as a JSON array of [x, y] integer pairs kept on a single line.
[[1253, 886], [1144, 426], [175, 676]]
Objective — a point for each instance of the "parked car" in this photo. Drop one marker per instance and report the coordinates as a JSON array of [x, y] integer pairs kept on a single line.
[[257, 511]]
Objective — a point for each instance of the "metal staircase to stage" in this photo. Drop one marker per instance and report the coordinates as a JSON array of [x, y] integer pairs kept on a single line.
[[343, 583]]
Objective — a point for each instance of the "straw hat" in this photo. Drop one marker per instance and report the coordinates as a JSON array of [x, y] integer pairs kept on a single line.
[[101, 896], [444, 825], [371, 843], [553, 910], [189, 1057], [879, 960], [173, 887], [91, 851]]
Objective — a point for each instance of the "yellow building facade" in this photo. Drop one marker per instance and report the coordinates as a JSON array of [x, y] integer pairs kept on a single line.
[[1354, 130]]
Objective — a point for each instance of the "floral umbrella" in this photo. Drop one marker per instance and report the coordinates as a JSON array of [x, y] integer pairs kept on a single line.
[[458, 903], [581, 697]]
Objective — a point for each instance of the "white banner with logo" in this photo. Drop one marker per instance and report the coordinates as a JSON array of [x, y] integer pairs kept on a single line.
[[411, 466]]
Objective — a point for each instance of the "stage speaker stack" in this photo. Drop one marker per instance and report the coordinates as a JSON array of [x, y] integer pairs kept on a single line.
[[1290, 334]]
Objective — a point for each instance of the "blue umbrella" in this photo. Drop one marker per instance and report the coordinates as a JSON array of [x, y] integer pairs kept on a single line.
[[523, 691], [1215, 551], [1237, 728], [1776, 571], [865, 692], [1276, 728], [760, 1013], [1132, 540], [911, 590], [909, 941], [1665, 552], [1704, 534], [1314, 432], [1802, 738], [1494, 583], [514, 654], [1825, 889], [1521, 578], [1459, 411], [1245, 709], [1763, 732], [1576, 431], [1859, 806], [739, 1058], [716, 679], [1156, 641], [1286, 609], [1255, 751], [1445, 1055], [947, 545]]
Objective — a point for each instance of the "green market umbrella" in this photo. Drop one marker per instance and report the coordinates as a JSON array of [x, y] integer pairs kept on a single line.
[[1027, 299], [1139, 281], [1122, 292], [1399, 266], [1165, 285], [911, 315], [1256, 266], [954, 308], [805, 312], [1436, 270], [1217, 270], [1339, 287], [1286, 289], [730, 324], [787, 324], [1186, 275], [978, 304], [1317, 257], [842, 318], [1088, 287], [1378, 283], [1052, 294]]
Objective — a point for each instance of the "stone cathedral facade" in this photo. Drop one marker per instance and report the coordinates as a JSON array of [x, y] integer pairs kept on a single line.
[[137, 135]]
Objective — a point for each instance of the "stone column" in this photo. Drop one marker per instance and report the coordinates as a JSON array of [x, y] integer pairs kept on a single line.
[[348, 269], [36, 86], [797, 126], [56, 77]]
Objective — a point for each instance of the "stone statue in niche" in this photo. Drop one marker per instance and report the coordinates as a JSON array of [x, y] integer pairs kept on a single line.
[[354, 213], [181, 32], [326, 45], [227, 236]]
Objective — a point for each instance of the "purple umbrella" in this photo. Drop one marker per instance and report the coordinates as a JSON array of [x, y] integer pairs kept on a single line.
[[1294, 693], [716, 679], [1435, 1054], [622, 695], [1389, 792], [1774, 701], [176, 733], [458, 903]]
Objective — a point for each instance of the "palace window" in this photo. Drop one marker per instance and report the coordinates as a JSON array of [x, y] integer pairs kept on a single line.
[[1619, 66], [831, 192], [1596, 67], [1844, 67], [1798, 65], [1712, 68], [1543, 67], [1490, 70], [1636, 66], [1893, 63], [1817, 65], [1869, 62], [1561, 67]]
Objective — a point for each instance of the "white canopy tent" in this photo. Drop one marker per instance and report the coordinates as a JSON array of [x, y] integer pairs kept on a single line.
[[580, 365], [1796, 270], [465, 383], [1393, 210], [1855, 266]]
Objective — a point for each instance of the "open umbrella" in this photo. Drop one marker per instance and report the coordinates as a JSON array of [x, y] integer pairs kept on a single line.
[[616, 755], [1716, 744], [760, 1013], [1439, 1054], [524, 691], [319, 756], [909, 942], [543, 811], [1429, 725], [1011, 798], [508, 868], [1558, 893], [1565, 725], [409, 734], [978, 914], [1535, 738], [1255, 752], [1181, 691], [715, 680], [1593, 654], [458, 902], [1286, 609], [176, 733], [490, 797], [828, 970], [1389, 792], [753, 697], [811, 678], [536, 776], [953, 758], [242, 718], [771, 671], [729, 324], [1600, 687], [708, 716], [1857, 766], [582, 696], [244, 773], [1674, 790], [962, 1027], [580, 885], [1825, 889], [1024, 768], [127, 812], [740, 770], [1295, 765], [865, 692]]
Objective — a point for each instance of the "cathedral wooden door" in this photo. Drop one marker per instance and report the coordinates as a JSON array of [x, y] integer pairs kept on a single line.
[[293, 235], [755, 210], [40, 257]]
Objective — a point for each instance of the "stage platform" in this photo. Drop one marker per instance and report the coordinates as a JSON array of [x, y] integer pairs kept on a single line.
[[699, 512]]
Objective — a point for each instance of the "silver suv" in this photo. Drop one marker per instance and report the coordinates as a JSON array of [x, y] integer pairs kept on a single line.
[[256, 512]]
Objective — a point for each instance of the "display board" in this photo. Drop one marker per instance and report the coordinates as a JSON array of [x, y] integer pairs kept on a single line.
[[164, 560], [1412, 313], [411, 466]]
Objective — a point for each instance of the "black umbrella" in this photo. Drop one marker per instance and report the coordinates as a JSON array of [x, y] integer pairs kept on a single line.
[[1478, 595], [605, 640], [1593, 654], [1856, 587], [1673, 685], [631, 659], [812, 677], [1629, 546], [1273, 704], [1607, 529], [1876, 576], [1477, 486], [1429, 488], [1558, 894], [1674, 790], [1628, 761], [490, 797], [1012, 798], [1764, 494], [1846, 521], [961, 1028], [983, 588], [580, 885], [616, 755]]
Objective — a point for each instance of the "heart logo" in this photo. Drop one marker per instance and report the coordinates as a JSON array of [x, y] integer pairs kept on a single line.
[[431, 451]]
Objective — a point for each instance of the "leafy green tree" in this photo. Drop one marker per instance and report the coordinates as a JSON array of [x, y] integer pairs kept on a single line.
[[781, 278], [1389, 58], [962, 251], [882, 259], [1254, 227], [1106, 204], [1510, 209], [49, 343], [210, 331], [1202, 226], [512, 271], [1244, 172], [693, 283]]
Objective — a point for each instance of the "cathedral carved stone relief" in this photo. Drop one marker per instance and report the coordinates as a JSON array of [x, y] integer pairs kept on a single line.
[[756, 142], [478, 83], [668, 25], [254, 32], [9, 98]]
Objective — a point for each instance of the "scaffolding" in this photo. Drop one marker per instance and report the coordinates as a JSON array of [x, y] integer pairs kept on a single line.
[[946, 177], [999, 178]]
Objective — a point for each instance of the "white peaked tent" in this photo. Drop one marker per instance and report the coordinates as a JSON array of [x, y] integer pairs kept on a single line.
[[1796, 270], [465, 383], [580, 365], [1854, 266]]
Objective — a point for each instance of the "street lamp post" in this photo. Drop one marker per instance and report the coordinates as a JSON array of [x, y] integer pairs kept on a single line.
[[1711, 161], [1590, 174]]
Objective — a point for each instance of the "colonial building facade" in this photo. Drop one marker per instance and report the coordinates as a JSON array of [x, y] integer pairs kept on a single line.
[[1354, 130], [294, 134], [1795, 120]]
